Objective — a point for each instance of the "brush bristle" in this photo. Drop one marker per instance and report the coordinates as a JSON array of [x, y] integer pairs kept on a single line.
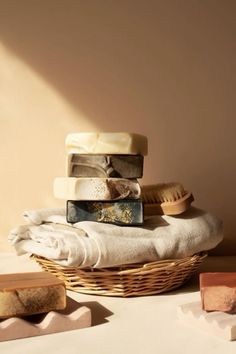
[[162, 192]]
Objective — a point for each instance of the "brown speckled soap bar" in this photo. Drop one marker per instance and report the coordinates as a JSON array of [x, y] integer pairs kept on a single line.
[[24, 294], [218, 291]]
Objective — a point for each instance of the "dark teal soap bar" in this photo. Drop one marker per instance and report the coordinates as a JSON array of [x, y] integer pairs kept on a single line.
[[122, 212], [124, 166]]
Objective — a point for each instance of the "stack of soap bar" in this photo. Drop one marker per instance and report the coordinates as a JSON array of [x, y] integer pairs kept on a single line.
[[218, 291], [101, 183], [25, 294]]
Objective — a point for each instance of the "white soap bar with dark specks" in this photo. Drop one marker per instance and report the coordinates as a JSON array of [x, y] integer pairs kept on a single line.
[[72, 188]]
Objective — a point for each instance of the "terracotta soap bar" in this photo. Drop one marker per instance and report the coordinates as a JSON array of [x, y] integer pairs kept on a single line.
[[23, 294], [72, 188], [106, 143], [218, 291], [123, 212], [123, 166]]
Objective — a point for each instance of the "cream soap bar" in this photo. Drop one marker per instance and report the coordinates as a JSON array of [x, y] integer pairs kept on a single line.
[[106, 143], [71, 188], [25, 294]]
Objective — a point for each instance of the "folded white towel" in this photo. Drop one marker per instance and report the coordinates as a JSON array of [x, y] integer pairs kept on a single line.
[[100, 245]]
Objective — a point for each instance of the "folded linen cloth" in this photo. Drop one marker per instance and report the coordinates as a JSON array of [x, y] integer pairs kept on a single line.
[[99, 245]]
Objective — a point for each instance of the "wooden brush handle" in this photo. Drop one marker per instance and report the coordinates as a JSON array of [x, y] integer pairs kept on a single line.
[[169, 208]]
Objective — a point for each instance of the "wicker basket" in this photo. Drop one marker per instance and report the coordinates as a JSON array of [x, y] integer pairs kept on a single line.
[[130, 280]]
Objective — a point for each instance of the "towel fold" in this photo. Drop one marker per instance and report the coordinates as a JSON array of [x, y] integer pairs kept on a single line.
[[101, 245]]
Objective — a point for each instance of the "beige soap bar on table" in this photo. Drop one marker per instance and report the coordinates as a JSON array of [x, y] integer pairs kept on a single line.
[[23, 294], [106, 143], [72, 188]]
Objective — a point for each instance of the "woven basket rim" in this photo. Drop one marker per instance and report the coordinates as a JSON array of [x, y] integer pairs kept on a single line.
[[127, 268], [138, 279]]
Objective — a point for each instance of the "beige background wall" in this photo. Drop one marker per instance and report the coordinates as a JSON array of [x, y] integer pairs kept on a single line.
[[162, 68]]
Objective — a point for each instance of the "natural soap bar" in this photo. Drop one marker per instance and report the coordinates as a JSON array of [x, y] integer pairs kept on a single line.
[[124, 212], [218, 291], [88, 165], [106, 143], [25, 294], [71, 188]]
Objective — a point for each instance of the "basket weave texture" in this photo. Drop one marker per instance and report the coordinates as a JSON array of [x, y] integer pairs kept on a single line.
[[128, 280]]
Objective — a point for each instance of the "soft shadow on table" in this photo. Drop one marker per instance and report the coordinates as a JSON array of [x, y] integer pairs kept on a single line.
[[99, 312], [189, 287]]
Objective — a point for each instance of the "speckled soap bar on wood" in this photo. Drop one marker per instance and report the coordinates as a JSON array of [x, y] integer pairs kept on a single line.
[[123, 212], [87, 165], [24, 294]]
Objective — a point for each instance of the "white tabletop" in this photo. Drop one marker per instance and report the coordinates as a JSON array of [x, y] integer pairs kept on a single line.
[[125, 326]]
